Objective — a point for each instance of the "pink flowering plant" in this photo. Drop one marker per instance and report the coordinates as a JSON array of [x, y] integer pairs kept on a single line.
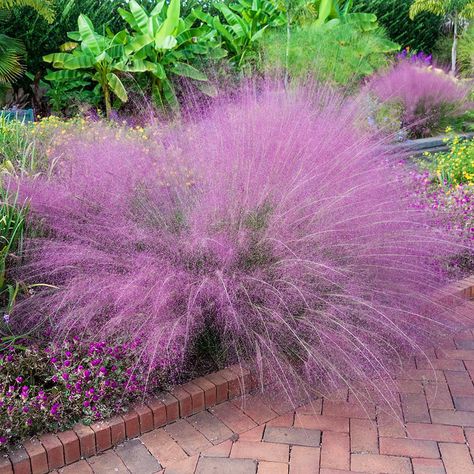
[[428, 97], [272, 221], [50, 388]]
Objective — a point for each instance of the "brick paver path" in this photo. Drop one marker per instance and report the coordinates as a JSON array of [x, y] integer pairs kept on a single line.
[[252, 435]]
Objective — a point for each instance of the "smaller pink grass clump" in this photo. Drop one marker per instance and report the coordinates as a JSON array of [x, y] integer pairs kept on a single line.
[[272, 221], [427, 96]]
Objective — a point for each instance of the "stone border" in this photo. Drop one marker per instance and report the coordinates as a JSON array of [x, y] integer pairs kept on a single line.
[[54, 451], [419, 146]]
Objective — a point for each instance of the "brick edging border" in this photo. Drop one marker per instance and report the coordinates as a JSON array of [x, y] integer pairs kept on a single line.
[[463, 288], [53, 451]]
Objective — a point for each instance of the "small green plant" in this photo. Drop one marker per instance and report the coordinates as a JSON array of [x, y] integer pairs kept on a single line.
[[12, 229], [66, 96], [20, 150]]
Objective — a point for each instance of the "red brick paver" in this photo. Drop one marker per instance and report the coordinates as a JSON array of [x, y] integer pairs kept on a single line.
[[429, 429]]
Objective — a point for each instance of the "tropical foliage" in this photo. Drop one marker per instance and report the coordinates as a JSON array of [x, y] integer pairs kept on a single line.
[[12, 51], [453, 10], [95, 57], [163, 45], [44, 7], [41, 38], [420, 34], [245, 23]]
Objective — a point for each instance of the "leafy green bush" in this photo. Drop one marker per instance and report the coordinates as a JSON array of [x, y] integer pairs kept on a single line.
[[338, 53], [420, 34]]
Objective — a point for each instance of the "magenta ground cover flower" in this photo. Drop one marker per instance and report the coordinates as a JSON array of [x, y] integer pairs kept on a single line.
[[38, 395], [273, 220]]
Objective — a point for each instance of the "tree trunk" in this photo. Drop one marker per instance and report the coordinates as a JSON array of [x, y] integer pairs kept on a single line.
[[454, 51], [108, 106]]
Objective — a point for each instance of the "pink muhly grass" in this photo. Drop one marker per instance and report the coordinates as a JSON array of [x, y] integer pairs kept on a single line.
[[272, 220], [427, 96]]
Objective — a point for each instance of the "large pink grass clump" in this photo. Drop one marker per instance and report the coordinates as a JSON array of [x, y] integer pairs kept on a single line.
[[272, 221], [428, 97]]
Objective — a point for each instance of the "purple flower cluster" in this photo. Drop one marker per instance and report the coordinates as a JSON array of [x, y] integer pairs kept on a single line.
[[415, 57], [47, 388]]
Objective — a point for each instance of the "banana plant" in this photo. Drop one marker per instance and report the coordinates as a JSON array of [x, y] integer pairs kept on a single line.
[[95, 57], [164, 46], [336, 11], [332, 9], [245, 22]]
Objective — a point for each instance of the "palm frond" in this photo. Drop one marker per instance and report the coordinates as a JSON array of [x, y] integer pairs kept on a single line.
[[12, 51], [468, 11], [437, 7], [44, 7]]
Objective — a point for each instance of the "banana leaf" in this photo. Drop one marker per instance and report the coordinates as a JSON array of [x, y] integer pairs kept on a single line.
[[117, 87]]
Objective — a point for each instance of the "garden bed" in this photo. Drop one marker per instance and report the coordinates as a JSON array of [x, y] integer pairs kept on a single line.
[[53, 451]]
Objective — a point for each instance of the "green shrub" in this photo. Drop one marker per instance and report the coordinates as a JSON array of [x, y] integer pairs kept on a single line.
[[340, 54]]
